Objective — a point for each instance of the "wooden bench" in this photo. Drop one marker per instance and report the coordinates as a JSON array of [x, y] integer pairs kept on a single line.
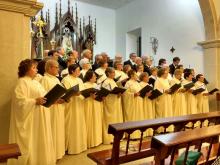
[[9, 151], [116, 156], [168, 145]]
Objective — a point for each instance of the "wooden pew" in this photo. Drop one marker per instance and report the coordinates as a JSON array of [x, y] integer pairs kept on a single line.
[[116, 156], [9, 151], [169, 144]]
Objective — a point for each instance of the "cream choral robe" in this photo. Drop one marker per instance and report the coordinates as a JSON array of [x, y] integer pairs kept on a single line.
[[76, 136], [163, 105], [122, 74], [83, 72], [57, 117], [100, 71], [133, 106], [148, 108], [112, 111], [178, 100], [30, 125], [202, 101], [191, 101], [93, 118]]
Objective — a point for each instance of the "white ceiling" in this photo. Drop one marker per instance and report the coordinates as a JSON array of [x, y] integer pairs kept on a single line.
[[113, 4]]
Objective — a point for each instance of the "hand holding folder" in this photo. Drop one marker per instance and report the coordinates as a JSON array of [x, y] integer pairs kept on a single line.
[[102, 93], [87, 92], [213, 91], [154, 94], [198, 91], [70, 92], [54, 94], [174, 88], [118, 90], [145, 90]]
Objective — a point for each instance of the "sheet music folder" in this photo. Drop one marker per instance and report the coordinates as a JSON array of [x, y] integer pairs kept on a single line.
[[154, 94], [118, 90], [86, 93], [102, 93], [197, 91], [213, 91], [70, 92], [174, 88], [55, 93], [145, 90], [189, 85]]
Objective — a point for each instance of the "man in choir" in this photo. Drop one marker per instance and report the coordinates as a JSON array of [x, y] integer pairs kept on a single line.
[[162, 62], [30, 125], [86, 54], [176, 61], [131, 61], [85, 65], [98, 58], [112, 112], [53, 54], [147, 62], [75, 124], [106, 58], [48, 81], [61, 60]]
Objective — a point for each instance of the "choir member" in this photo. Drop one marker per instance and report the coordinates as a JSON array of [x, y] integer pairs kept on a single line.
[[153, 76], [118, 71], [178, 98], [48, 81], [191, 101], [61, 60], [75, 55], [101, 71], [140, 69], [132, 102], [93, 113], [70, 60], [161, 63], [85, 65], [173, 66], [112, 112], [30, 125], [75, 125], [131, 61], [86, 54], [147, 62], [202, 98], [164, 102], [98, 58]]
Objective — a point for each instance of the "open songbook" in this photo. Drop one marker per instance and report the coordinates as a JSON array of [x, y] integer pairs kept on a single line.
[[117, 78], [213, 91], [102, 93], [70, 92], [154, 94], [54, 94], [198, 91], [87, 92], [189, 85], [118, 90], [145, 90], [174, 88]]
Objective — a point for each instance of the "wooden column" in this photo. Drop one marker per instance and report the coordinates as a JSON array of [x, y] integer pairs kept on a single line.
[[14, 47]]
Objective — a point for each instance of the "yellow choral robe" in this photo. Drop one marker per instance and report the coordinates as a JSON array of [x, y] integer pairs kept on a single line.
[[178, 100], [163, 105], [202, 101], [191, 101], [112, 110], [30, 125], [93, 118], [122, 75], [100, 71], [133, 106], [57, 117], [76, 136]]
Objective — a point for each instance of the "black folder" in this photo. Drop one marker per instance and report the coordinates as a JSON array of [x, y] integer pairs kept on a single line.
[[117, 78], [81, 77], [122, 83], [189, 85], [151, 81], [70, 92], [118, 90], [174, 88], [213, 91], [206, 81], [54, 94], [154, 94], [197, 91], [86, 93], [145, 90], [102, 93]]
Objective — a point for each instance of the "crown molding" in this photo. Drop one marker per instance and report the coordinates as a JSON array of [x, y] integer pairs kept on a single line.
[[26, 7], [210, 44]]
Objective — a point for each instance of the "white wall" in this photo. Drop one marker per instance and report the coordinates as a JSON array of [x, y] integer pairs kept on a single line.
[[175, 23], [105, 22]]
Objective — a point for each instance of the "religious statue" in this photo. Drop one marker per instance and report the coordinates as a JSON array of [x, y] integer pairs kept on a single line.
[[154, 42], [67, 40]]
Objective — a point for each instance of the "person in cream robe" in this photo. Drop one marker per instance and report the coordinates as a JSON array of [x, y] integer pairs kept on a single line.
[[191, 101], [112, 111], [76, 136], [30, 125], [202, 98], [178, 98], [48, 81], [132, 102], [118, 71], [101, 72], [93, 113]]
